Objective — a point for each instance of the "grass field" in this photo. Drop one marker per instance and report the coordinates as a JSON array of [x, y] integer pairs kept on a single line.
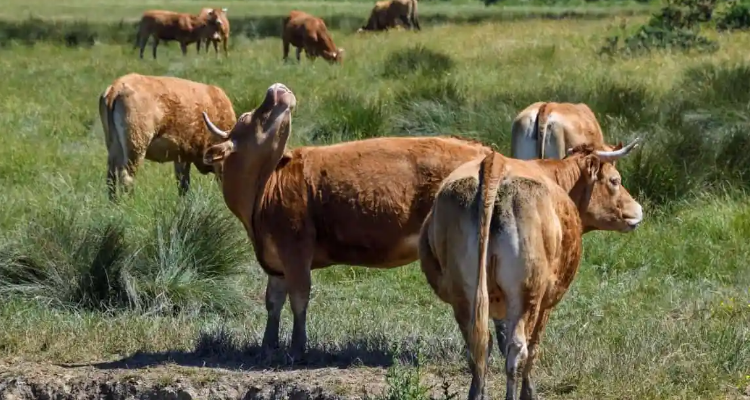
[[661, 313]]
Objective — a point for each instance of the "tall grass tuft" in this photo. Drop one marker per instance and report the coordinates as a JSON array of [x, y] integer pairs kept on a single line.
[[192, 260], [63, 259]]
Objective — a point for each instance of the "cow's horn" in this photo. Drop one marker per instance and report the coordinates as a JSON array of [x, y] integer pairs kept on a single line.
[[609, 156], [213, 128]]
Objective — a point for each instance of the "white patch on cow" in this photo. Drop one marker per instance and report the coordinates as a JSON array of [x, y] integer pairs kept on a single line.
[[225, 9], [637, 217], [552, 145], [526, 145]]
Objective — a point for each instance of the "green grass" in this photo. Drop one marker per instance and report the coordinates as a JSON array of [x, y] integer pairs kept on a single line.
[[663, 312]]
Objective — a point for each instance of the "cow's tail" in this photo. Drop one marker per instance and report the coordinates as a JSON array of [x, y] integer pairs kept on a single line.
[[118, 148], [479, 336], [540, 126], [414, 14]]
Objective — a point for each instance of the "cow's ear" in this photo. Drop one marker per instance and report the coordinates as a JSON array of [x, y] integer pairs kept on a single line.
[[592, 166]]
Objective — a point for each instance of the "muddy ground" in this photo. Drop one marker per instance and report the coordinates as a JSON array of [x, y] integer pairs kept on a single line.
[[21, 380]]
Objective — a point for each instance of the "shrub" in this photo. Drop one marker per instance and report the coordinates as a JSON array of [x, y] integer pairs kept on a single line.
[[191, 261]]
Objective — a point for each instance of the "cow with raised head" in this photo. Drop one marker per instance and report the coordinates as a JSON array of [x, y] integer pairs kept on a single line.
[[353, 203], [387, 13], [217, 33], [503, 240], [548, 129], [309, 33], [158, 118], [181, 27]]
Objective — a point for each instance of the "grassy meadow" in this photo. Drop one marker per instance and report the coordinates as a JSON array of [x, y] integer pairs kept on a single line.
[[660, 313]]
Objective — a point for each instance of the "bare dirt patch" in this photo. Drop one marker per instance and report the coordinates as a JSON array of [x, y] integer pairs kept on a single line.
[[30, 380], [21, 380]]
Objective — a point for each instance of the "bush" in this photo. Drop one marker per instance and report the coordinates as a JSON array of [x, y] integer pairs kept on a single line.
[[191, 261], [675, 27]]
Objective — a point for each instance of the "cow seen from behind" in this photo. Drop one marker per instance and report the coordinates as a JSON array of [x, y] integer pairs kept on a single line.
[[386, 14], [158, 118], [548, 129], [503, 240]]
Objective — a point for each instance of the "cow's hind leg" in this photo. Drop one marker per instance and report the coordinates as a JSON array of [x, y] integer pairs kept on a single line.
[[275, 299], [528, 390], [500, 331], [182, 175], [156, 44], [183, 47], [516, 350], [112, 178], [462, 314]]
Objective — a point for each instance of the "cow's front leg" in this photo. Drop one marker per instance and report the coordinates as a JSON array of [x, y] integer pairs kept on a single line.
[[275, 299], [182, 175]]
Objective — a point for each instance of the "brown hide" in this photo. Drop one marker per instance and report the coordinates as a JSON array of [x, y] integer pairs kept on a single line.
[[308, 33], [512, 230], [552, 128], [158, 118], [169, 25], [216, 33], [387, 14], [354, 203]]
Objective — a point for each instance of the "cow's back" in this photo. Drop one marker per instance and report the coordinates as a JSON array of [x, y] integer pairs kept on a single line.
[[368, 199], [167, 111]]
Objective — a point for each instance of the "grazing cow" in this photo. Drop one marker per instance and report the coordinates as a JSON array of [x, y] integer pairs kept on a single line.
[[217, 33], [308, 32], [385, 14], [354, 203], [182, 27], [159, 118], [548, 129], [504, 240]]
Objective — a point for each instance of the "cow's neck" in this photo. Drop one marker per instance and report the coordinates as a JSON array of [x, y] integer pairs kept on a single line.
[[567, 174], [252, 173]]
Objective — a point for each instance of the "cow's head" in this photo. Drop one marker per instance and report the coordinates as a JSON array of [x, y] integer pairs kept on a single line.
[[257, 132], [337, 56], [212, 16], [604, 203]]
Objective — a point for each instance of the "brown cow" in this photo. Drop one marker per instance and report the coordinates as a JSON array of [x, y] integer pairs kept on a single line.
[[355, 203], [218, 33], [159, 118], [310, 33], [169, 25], [548, 129], [386, 14], [524, 220]]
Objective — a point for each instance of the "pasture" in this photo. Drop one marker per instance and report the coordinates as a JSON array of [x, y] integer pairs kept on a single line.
[[164, 291]]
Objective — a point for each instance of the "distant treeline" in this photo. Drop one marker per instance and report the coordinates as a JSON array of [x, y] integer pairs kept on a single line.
[[77, 32]]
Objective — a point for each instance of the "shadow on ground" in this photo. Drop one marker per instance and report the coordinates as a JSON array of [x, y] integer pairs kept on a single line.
[[220, 350]]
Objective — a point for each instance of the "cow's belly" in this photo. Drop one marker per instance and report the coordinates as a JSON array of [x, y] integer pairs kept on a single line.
[[163, 149], [387, 251]]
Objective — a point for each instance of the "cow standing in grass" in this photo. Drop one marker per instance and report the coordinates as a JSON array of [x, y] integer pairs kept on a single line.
[[217, 33], [309, 33], [182, 27], [504, 240], [158, 118], [387, 13], [353, 203], [548, 129]]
